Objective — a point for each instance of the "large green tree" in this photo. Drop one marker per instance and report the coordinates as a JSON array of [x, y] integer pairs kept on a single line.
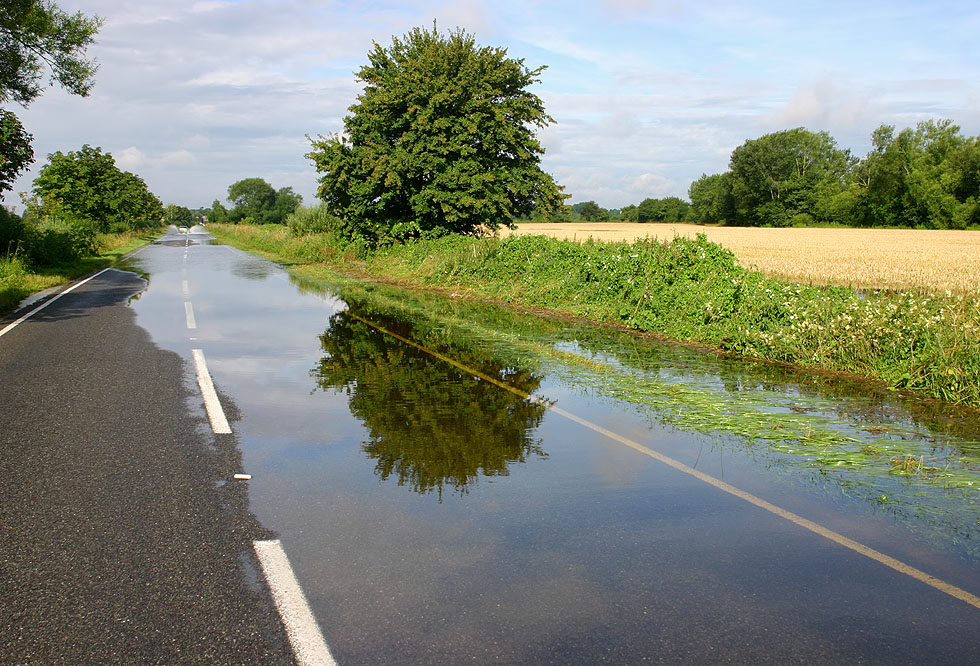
[[180, 216], [928, 176], [784, 173], [36, 36], [441, 140], [87, 184], [16, 153], [253, 200], [256, 202], [669, 209], [711, 199], [590, 211]]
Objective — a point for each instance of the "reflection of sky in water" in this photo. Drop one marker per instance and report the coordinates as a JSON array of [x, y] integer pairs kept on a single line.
[[589, 551]]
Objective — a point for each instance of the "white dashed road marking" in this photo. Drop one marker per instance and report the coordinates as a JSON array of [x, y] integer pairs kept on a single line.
[[189, 313], [309, 647], [219, 424]]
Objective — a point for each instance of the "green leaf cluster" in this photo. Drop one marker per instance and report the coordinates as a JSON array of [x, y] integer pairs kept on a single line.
[[87, 185], [255, 202], [922, 177], [178, 215], [16, 153], [440, 141], [36, 35]]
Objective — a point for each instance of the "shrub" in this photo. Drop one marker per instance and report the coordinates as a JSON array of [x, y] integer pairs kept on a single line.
[[55, 241], [11, 231], [312, 220], [801, 220]]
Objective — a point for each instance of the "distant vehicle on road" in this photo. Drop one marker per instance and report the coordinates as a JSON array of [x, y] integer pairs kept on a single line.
[[182, 230]]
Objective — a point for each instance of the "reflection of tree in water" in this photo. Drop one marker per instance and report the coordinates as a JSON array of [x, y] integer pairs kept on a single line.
[[432, 425]]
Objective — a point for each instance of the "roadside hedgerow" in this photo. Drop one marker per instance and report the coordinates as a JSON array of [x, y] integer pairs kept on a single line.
[[693, 290]]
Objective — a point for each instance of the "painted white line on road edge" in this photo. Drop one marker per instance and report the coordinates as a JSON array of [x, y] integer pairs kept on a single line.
[[309, 647], [219, 424], [189, 313], [52, 300]]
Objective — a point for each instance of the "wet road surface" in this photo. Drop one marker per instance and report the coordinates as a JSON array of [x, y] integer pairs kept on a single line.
[[433, 517], [117, 545]]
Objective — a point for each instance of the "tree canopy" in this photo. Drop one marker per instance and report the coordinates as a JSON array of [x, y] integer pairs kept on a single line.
[[15, 149], [712, 200], [590, 211], [87, 184], [35, 35], [927, 176], [254, 201], [180, 216], [781, 174], [441, 140]]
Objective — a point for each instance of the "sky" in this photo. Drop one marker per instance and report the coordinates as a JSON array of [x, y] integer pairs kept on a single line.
[[647, 95]]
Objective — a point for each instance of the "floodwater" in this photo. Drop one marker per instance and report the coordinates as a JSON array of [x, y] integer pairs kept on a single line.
[[455, 483]]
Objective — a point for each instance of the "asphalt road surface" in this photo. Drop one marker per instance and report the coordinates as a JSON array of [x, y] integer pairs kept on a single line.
[[433, 512], [124, 538]]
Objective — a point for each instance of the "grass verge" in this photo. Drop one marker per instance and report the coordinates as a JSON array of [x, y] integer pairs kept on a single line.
[[18, 279], [688, 290]]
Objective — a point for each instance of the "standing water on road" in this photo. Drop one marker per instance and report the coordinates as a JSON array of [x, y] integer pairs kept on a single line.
[[454, 482]]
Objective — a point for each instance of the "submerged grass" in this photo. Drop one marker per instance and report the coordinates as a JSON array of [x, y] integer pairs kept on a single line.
[[687, 290], [18, 279]]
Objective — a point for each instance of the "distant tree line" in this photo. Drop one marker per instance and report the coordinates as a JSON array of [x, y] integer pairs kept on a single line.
[[668, 209], [255, 201], [927, 177]]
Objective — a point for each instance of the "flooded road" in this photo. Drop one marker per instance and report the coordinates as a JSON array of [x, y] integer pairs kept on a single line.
[[455, 483]]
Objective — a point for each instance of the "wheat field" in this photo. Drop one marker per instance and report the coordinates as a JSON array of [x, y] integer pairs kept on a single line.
[[930, 260]]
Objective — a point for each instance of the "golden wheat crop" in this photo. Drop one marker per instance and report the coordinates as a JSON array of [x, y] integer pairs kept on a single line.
[[930, 260]]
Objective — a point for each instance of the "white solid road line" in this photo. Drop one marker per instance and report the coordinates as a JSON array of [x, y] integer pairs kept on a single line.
[[219, 424], [309, 647], [189, 313], [52, 300]]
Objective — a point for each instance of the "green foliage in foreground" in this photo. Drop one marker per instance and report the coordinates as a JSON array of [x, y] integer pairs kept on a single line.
[[48, 241], [688, 290]]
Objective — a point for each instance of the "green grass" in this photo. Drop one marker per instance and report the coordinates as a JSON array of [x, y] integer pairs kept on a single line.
[[685, 290], [18, 279]]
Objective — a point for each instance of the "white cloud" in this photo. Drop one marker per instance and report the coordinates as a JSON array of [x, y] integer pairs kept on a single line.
[[828, 104], [130, 159], [196, 94]]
